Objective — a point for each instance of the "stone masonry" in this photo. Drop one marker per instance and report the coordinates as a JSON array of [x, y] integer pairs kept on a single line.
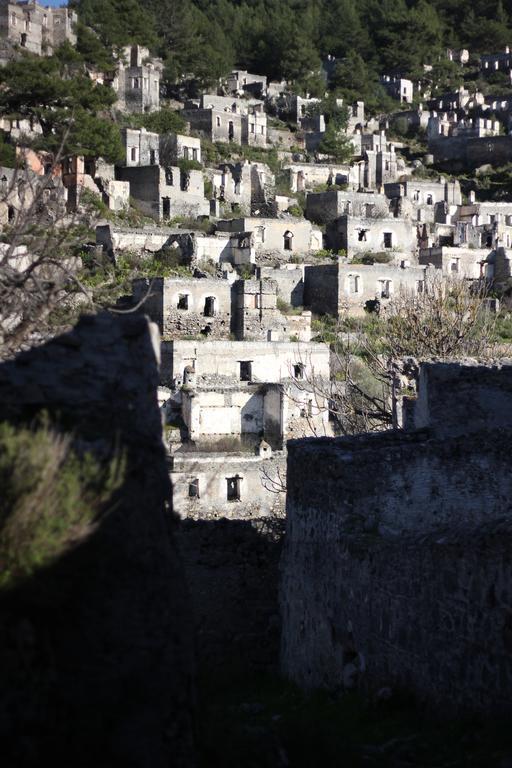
[[396, 570]]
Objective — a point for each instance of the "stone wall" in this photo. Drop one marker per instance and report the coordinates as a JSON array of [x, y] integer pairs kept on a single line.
[[211, 470], [290, 283], [321, 292], [232, 569], [187, 307], [395, 570], [96, 649], [463, 153]]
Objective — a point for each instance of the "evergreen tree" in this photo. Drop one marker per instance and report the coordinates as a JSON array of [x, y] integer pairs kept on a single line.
[[56, 93]]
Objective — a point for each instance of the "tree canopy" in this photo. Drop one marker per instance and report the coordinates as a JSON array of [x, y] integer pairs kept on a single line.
[[57, 94], [288, 38]]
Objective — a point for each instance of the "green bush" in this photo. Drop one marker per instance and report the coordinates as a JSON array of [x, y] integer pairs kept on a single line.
[[286, 308], [189, 165], [50, 497], [379, 257]]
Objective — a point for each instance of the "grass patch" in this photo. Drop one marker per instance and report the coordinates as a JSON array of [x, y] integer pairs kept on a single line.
[[265, 722]]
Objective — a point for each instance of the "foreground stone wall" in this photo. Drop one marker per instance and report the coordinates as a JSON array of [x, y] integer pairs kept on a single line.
[[232, 570], [96, 654], [396, 569]]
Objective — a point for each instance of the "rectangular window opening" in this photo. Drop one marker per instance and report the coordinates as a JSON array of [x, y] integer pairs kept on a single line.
[[183, 301], [246, 370], [233, 488]]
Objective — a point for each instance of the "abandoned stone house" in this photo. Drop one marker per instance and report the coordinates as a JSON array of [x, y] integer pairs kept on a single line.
[[219, 309], [424, 201], [97, 178], [426, 192], [185, 307], [40, 29], [483, 224], [137, 81], [289, 279], [116, 240], [377, 167], [458, 101], [326, 207], [306, 176], [165, 193], [247, 187], [398, 88], [227, 484], [249, 412], [19, 193], [338, 288], [246, 391], [357, 236], [222, 119], [468, 263], [176, 146], [141, 147], [218, 362], [239, 81], [257, 316], [380, 574], [460, 55], [194, 248], [447, 124], [497, 62], [459, 153], [282, 236]]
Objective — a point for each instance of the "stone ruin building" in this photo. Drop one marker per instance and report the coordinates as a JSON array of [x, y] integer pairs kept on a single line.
[[38, 28], [137, 81]]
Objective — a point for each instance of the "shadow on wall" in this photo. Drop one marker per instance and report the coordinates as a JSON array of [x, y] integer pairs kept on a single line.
[[95, 649], [232, 568]]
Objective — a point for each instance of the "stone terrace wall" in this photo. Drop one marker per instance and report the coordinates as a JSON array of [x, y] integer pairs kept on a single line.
[[392, 573], [96, 654]]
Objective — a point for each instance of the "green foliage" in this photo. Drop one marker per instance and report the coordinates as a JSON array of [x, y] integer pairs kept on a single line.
[[57, 93], [297, 211], [286, 308], [50, 497], [200, 41], [93, 50], [336, 145], [503, 328], [202, 225], [373, 257], [189, 165], [7, 152], [335, 142], [245, 271], [118, 22], [164, 121]]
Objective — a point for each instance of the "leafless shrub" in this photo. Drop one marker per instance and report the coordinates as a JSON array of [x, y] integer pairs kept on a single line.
[[38, 262], [375, 366]]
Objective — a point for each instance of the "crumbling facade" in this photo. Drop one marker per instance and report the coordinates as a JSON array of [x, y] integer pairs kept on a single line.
[[137, 81], [165, 193], [37, 28]]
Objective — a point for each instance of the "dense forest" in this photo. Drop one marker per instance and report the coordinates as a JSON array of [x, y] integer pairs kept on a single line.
[[288, 38]]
